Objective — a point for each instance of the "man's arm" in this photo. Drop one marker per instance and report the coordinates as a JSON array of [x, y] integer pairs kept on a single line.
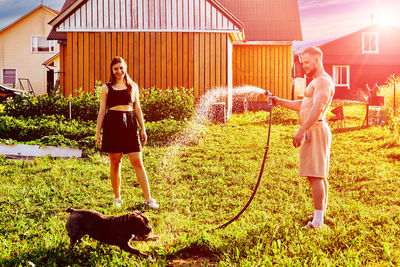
[[321, 96], [289, 104]]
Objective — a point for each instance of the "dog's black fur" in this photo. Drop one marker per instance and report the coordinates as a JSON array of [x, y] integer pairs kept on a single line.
[[109, 229]]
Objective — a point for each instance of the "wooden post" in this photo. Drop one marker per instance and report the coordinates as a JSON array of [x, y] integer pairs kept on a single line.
[[217, 112], [70, 110]]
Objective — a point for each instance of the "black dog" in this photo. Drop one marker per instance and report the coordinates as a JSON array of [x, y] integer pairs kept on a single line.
[[109, 229]]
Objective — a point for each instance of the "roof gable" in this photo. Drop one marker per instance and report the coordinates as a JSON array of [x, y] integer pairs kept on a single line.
[[389, 37], [61, 36], [348, 49], [157, 15], [50, 10], [267, 20]]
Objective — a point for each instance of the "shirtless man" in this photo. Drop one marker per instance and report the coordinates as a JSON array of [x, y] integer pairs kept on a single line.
[[314, 136]]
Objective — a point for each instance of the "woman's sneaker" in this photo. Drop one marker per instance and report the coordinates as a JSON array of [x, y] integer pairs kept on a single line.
[[117, 202], [152, 203]]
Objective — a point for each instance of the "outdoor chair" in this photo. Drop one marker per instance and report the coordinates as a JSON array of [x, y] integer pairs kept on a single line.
[[337, 122]]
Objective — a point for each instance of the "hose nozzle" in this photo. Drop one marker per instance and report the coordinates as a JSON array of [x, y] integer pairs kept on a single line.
[[268, 94]]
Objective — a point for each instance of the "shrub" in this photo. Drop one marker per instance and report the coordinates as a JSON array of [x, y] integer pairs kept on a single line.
[[27, 129], [158, 104], [83, 107], [393, 122], [387, 91]]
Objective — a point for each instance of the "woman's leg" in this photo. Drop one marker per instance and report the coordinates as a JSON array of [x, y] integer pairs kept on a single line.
[[326, 194], [136, 161], [115, 172]]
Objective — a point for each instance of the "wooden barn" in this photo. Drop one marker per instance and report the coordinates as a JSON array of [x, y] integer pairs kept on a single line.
[[264, 58], [363, 58], [197, 44]]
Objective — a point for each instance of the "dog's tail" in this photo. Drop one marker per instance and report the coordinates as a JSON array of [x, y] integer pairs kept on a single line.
[[70, 210]]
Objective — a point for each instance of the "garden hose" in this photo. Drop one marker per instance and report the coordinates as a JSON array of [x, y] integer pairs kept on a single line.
[[270, 105]]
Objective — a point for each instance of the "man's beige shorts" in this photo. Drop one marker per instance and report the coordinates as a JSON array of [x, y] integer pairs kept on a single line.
[[315, 151]]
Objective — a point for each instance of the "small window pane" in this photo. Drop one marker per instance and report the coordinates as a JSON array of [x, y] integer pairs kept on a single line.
[[41, 44], [337, 76], [344, 75], [367, 42], [9, 76], [370, 42], [341, 77], [373, 42]]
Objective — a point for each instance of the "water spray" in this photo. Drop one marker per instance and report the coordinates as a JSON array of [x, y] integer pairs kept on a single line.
[[270, 106]]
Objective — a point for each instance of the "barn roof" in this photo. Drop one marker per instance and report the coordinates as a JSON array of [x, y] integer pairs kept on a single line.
[[61, 36], [267, 20]]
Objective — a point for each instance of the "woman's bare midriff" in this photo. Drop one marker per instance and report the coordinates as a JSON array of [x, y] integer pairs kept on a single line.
[[122, 108]]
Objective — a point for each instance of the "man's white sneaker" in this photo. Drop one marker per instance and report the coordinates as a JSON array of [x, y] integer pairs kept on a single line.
[[117, 202], [310, 226], [152, 203]]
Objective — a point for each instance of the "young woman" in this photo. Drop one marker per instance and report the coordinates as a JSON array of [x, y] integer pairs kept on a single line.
[[119, 109]]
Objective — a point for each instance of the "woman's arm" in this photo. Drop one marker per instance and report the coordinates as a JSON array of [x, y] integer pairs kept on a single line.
[[102, 113], [139, 114]]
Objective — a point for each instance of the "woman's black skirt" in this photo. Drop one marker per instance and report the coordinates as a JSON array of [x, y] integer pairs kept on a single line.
[[120, 133]]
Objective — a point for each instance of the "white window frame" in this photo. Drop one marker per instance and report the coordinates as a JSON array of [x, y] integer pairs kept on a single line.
[[364, 39], [52, 44], [16, 76], [334, 71]]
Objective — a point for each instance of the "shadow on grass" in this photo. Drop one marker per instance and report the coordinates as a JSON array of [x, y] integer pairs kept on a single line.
[[349, 129], [59, 256], [195, 253], [81, 255], [198, 249]]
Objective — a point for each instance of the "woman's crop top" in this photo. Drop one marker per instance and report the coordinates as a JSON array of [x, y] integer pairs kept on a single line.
[[118, 97]]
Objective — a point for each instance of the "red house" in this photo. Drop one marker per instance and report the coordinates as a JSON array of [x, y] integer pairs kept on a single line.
[[362, 59]]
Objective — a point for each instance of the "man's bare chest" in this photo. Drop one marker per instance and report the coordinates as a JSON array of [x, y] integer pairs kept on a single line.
[[309, 91]]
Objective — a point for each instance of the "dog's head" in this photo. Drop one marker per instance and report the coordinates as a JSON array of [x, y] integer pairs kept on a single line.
[[137, 223]]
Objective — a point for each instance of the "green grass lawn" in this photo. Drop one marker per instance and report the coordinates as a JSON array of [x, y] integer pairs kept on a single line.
[[200, 187]]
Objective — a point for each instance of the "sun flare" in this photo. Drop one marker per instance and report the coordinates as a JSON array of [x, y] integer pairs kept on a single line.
[[385, 20], [385, 15]]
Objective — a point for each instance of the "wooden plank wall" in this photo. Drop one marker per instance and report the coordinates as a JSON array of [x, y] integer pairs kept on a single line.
[[265, 66], [162, 60]]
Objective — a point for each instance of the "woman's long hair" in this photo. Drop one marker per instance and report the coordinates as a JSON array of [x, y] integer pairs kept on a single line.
[[128, 81]]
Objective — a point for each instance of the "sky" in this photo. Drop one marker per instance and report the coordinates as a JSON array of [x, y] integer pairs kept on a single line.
[[12, 10], [321, 20]]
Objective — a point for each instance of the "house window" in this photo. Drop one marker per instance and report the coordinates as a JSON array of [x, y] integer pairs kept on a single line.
[[370, 42], [40, 44], [341, 76], [9, 76]]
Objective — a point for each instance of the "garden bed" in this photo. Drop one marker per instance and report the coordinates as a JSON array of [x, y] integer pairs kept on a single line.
[[39, 151]]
